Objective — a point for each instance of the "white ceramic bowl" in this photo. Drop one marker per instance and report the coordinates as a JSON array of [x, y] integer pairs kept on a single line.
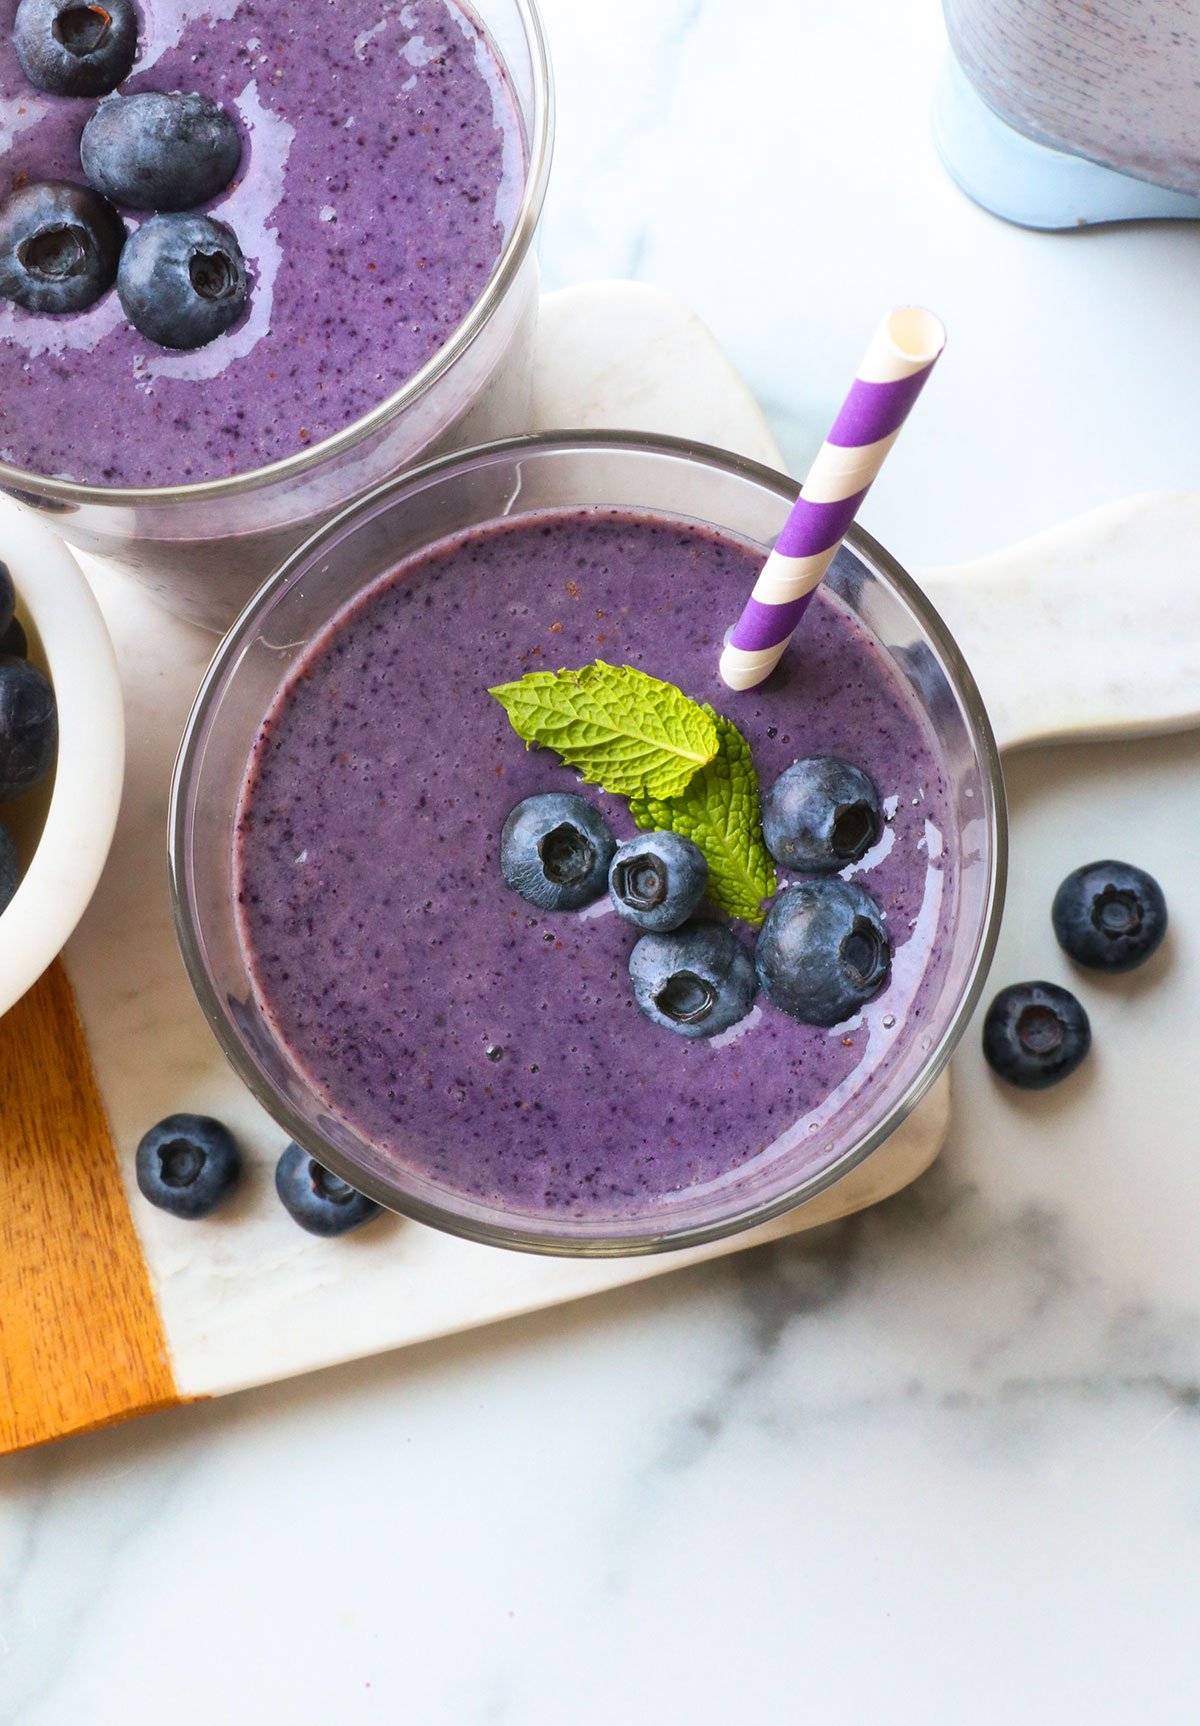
[[64, 828]]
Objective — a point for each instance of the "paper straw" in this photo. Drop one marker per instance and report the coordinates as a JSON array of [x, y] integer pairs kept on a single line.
[[893, 372]]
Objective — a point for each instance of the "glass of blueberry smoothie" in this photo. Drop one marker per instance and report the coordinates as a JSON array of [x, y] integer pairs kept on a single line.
[[254, 259], [669, 970]]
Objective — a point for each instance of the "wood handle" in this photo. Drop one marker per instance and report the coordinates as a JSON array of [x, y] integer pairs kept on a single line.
[[1089, 630], [81, 1343]]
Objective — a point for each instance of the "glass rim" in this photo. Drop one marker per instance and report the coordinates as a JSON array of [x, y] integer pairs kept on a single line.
[[512, 257], [551, 1241]]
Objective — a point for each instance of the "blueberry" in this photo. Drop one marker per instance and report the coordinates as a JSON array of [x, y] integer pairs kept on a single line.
[[28, 727], [59, 247], [1110, 916], [657, 880], [76, 48], [188, 1164], [1035, 1034], [555, 851], [14, 643], [696, 981], [823, 951], [820, 815], [159, 151], [8, 598], [319, 1201], [10, 868], [182, 280]]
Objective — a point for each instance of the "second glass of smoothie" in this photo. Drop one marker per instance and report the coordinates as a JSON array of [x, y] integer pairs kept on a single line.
[[394, 161], [425, 1031]]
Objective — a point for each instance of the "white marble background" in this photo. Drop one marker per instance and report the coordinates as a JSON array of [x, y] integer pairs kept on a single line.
[[938, 1464]]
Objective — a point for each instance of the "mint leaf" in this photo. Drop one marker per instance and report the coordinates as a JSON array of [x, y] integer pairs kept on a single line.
[[719, 812], [617, 727]]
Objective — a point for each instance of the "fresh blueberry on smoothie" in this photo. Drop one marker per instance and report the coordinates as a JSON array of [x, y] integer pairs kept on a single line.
[[59, 248], [555, 851], [696, 982], [657, 880], [823, 952], [160, 150], [76, 47], [182, 280], [821, 815]]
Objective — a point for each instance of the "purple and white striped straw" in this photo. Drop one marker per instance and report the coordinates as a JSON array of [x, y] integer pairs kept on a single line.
[[890, 378]]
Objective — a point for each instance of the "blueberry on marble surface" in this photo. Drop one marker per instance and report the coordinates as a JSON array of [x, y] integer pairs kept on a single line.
[[555, 851], [60, 246], [28, 727], [823, 951], [696, 982], [76, 47], [1035, 1034], [182, 280], [10, 868], [657, 880], [188, 1164], [8, 598], [317, 1199], [1109, 916], [160, 150], [820, 815]]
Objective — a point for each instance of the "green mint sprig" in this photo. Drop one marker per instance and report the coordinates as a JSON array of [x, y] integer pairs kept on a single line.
[[617, 727], [682, 766], [719, 812]]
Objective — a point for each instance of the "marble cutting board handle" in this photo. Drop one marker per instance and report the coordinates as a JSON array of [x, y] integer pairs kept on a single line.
[[1089, 630]]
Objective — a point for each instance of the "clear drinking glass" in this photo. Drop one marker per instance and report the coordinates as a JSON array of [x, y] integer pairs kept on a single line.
[[203, 549], [614, 470]]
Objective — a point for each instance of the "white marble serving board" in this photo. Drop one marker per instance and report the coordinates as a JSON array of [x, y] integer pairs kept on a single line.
[[248, 1297]]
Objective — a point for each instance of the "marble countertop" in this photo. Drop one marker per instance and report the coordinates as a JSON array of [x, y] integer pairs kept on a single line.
[[934, 1464]]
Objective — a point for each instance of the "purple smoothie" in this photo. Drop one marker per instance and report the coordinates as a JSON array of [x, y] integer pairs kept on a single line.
[[382, 168], [494, 1048]]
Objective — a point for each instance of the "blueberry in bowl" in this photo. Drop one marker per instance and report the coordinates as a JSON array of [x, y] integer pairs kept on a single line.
[[1109, 916], [28, 727], [160, 150], [657, 880], [60, 246], [823, 951], [821, 815], [188, 1165], [697, 981], [182, 280], [555, 851], [14, 643], [320, 1201], [1035, 1034], [76, 47]]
